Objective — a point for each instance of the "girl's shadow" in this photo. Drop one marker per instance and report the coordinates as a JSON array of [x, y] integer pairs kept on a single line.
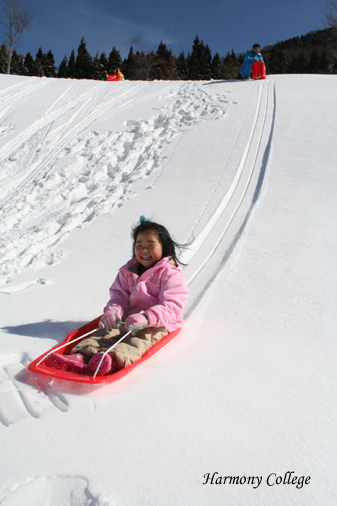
[[46, 329]]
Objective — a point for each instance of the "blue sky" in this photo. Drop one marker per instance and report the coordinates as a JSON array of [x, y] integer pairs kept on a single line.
[[59, 25]]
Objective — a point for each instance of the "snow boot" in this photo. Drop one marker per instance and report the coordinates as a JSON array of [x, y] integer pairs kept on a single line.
[[108, 366], [71, 363]]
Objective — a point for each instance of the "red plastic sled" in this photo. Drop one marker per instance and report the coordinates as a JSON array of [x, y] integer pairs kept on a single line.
[[82, 378], [111, 77], [258, 70]]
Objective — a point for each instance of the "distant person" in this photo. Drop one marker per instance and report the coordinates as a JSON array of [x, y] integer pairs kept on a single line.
[[120, 75], [250, 57], [116, 75]]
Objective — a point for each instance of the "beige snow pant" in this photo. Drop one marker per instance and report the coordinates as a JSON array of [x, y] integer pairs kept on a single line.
[[126, 352]]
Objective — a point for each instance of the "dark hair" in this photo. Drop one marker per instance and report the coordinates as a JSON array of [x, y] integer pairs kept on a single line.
[[168, 244], [256, 45]]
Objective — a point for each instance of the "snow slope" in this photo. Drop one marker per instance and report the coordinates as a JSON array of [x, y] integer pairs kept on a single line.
[[247, 389]]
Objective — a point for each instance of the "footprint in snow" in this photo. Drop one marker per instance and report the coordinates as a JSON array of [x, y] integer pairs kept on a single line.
[[55, 490]]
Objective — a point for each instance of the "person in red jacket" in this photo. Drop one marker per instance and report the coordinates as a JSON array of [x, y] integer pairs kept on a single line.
[[115, 76]]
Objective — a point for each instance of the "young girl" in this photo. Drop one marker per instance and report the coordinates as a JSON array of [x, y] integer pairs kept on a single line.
[[146, 298]]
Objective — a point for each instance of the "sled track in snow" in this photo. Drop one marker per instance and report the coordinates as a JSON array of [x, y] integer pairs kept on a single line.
[[214, 245]]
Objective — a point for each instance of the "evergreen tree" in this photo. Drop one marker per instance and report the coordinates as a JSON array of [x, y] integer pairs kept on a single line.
[[3, 58], [100, 65], [130, 66], [72, 65], [324, 64], [216, 67], [301, 63], [205, 60], [49, 68], [314, 63], [277, 61], [84, 63], [181, 67], [63, 68], [200, 61], [193, 67], [162, 63], [104, 64], [231, 66], [17, 64], [298, 64], [39, 63], [114, 60], [29, 65]]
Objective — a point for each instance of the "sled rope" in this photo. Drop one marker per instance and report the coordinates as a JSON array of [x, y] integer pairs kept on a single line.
[[65, 344], [107, 351]]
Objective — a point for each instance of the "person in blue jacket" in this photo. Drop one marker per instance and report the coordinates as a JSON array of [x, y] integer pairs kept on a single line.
[[250, 57]]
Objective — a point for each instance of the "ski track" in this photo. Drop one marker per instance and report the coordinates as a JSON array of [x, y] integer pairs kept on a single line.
[[214, 244], [131, 154]]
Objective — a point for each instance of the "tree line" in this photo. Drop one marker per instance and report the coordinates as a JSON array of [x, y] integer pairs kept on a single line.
[[162, 64]]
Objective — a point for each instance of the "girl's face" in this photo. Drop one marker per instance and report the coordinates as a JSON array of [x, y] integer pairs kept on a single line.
[[148, 249]]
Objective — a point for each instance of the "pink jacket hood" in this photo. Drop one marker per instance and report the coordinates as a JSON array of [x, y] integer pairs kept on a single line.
[[160, 291]]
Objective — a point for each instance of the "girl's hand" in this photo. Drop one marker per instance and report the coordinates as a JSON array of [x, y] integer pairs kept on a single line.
[[136, 322], [112, 317]]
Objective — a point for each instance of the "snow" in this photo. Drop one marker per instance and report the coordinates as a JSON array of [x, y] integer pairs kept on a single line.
[[248, 387]]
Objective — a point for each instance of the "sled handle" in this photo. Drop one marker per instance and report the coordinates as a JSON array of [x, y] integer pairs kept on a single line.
[[64, 345], [109, 349]]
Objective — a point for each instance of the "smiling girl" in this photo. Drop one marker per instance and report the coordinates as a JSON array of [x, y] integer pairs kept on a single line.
[[146, 298]]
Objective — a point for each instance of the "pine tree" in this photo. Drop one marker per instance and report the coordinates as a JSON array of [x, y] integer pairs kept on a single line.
[[29, 65], [324, 64], [39, 63], [3, 58], [193, 63], [104, 64], [114, 60], [72, 65], [205, 61], [193, 67], [313, 66], [277, 61], [49, 68], [63, 68], [18, 64], [232, 66], [216, 70], [200, 61], [100, 64], [130, 66], [162, 64], [181, 67], [298, 64], [84, 64]]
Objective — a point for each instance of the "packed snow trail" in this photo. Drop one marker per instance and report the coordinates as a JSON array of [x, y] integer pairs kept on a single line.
[[214, 244]]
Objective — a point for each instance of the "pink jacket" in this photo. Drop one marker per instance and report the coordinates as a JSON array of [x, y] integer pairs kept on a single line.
[[160, 291]]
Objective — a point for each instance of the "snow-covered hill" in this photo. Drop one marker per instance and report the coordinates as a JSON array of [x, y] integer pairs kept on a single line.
[[247, 389]]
